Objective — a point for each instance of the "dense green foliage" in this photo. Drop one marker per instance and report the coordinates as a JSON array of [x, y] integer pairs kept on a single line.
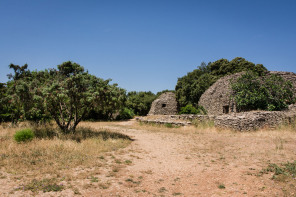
[[66, 94], [189, 109], [125, 114], [4, 104], [24, 135], [269, 92], [190, 87], [140, 102]]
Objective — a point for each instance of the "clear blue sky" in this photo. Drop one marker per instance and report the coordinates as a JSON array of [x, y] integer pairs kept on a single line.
[[146, 44]]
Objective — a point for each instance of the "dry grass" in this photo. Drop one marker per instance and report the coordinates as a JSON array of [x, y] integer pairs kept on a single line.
[[210, 158], [51, 156]]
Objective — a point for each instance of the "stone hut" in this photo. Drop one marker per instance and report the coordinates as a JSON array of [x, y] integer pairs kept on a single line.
[[217, 101], [165, 104]]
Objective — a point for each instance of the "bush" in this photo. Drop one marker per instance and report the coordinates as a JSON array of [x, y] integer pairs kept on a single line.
[[190, 109], [270, 92], [125, 114], [24, 135]]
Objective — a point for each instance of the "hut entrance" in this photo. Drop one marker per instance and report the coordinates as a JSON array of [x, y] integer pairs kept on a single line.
[[226, 109], [163, 105]]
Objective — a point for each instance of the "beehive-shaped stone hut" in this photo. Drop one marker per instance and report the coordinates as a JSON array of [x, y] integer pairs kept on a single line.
[[165, 104], [217, 101]]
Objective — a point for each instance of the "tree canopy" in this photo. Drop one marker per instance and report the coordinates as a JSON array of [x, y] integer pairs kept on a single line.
[[269, 92], [190, 87], [140, 102], [66, 94]]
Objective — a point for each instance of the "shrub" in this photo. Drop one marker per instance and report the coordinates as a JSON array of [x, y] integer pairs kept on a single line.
[[125, 114], [24, 135], [190, 109], [270, 92]]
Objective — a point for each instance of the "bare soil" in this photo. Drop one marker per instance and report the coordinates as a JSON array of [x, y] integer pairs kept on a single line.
[[183, 161]]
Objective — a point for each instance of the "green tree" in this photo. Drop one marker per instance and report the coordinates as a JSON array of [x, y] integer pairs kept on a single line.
[[108, 103], [70, 93], [24, 94], [17, 96], [267, 92], [4, 113], [190, 87], [140, 102]]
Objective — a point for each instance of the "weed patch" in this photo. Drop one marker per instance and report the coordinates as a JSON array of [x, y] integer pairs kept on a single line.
[[221, 186], [45, 185], [282, 172]]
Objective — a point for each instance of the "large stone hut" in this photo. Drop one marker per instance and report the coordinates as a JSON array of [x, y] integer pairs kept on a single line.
[[217, 99], [165, 104]]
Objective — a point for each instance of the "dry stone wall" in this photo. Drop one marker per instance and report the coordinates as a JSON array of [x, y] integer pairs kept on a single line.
[[244, 121], [180, 120], [247, 121], [165, 104]]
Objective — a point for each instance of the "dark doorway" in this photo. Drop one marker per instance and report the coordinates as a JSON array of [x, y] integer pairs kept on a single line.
[[226, 109], [163, 105]]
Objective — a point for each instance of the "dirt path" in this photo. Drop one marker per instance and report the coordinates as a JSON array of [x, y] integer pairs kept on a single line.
[[204, 164], [183, 161]]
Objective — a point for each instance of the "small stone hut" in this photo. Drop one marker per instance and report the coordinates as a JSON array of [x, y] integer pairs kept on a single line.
[[165, 104], [217, 101]]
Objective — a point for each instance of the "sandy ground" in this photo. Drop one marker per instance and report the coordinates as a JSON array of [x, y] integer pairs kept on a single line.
[[190, 163]]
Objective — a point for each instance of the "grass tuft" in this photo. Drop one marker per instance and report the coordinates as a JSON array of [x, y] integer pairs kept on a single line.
[[45, 185], [283, 172], [24, 135]]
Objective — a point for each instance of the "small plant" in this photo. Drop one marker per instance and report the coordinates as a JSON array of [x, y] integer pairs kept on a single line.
[[283, 172], [24, 135], [94, 179], [177, 194], [45, 185], [104, 185], [221, 186], [168, 125], [128, 161], [162, 189]]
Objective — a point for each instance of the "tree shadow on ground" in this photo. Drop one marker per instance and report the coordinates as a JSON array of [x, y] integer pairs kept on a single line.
[[80, 134]]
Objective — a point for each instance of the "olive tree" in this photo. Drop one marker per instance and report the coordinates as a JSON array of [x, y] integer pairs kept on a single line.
[[69, 94]]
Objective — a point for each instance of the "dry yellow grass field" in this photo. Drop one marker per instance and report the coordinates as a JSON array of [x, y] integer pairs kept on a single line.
[[161, 161]]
